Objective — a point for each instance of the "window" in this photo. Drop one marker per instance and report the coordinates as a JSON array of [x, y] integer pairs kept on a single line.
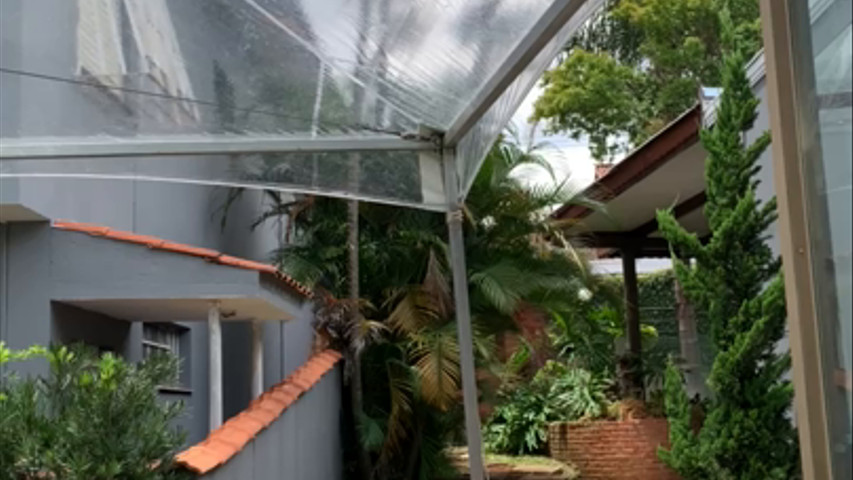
[[99, 51], [121, 42], [164, 339]]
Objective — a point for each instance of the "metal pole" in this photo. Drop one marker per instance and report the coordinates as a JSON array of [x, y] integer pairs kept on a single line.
[[35, 148], [463, 318], [549, 25], [214, 328], [257, 359], [792, 123]]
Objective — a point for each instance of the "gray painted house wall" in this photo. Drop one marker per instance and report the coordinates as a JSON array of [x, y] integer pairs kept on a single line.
[[31, 266], [298, 444], [42, 269]]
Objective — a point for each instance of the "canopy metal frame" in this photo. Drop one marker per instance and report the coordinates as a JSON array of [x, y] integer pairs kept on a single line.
[[52, 149], [542, 32]]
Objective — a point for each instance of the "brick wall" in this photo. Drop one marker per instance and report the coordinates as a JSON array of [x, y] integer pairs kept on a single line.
[[611, 450]]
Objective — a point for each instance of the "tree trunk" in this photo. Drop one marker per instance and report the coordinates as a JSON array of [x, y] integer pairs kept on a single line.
[[414, 454], [689, 339], [356, 389]]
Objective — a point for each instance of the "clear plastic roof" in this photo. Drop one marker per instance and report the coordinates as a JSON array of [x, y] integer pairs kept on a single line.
[[302, 95]]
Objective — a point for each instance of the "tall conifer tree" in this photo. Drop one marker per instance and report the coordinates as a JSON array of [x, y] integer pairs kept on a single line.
[[746, 433]]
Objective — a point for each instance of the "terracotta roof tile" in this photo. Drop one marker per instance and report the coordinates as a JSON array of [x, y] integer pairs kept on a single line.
[[246, 423], [221, 448], [291, 391], [270, 405], [284, 399], [274, 401], [199, 459], [165, 245], [302, 382], [232, 434], [226, 441], [263, 416], [189, 250]]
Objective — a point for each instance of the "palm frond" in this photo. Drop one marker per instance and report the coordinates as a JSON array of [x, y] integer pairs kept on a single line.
[[371, 432], [435, 357], [401, 385]]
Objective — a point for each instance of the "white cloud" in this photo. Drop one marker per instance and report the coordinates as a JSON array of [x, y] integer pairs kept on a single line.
[[569, 158]]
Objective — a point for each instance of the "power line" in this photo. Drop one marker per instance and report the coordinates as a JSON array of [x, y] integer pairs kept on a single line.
[[135, 91]]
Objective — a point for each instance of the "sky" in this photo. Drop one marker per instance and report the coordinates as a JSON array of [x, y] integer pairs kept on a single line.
[[568, 157]]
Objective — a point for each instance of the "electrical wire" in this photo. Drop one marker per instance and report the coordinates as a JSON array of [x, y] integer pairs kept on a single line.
[[135, 91]]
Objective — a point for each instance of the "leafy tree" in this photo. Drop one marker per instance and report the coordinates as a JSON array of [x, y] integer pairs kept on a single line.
[[638, 66], [89, 418], [747, 433]]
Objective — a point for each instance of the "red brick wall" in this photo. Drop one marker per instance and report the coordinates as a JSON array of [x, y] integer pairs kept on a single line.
[[611, 450]]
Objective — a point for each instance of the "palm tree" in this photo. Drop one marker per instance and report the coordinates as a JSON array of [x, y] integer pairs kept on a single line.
[[516, 261]]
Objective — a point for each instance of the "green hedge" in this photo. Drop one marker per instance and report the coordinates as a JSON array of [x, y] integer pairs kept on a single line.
[[657, 309]]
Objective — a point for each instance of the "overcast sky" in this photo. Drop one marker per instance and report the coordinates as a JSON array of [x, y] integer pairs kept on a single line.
[[569, 158]]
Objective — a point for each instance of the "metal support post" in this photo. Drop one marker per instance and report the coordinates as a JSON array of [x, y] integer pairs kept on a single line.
[[463, 318], [257, 359], [214, 331]]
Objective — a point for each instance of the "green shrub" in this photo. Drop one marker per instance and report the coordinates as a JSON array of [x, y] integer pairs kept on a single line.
[[90, 418], [557, 393], [520, 424]]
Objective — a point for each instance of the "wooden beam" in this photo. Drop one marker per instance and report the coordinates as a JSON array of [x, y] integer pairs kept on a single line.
[[621, 240]]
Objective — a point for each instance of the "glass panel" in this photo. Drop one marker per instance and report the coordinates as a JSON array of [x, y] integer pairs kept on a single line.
[[393, 177], [474, 146], [829, 186], [130, 67], [160, 339], [82, 69]]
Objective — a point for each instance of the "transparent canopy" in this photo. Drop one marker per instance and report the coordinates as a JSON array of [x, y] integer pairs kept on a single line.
[[327, 96]]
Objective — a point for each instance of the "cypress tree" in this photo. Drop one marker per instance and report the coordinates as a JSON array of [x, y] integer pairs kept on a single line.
[[735, 277]]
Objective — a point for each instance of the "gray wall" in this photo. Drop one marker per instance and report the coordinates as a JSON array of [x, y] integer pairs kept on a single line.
[[74, 325], [303, 443], [765, 189], [40, 265], [39, 36]]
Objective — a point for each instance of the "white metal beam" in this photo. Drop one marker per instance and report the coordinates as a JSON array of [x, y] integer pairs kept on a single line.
[[257, 358], [52, 148], [470, 398], [214, 333], [557, 15]]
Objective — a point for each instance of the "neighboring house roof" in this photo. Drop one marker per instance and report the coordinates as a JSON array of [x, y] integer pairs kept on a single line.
[[206, 254], [229, 439], [667, 171]]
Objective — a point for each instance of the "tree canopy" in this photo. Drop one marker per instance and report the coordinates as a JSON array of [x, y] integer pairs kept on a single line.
[[639, 65]]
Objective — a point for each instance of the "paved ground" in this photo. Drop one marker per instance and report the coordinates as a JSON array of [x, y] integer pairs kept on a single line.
[[516, 468]]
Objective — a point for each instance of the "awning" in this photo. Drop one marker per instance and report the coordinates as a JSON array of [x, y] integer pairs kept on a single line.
[[668, 171], [341, 98], [143, 278]]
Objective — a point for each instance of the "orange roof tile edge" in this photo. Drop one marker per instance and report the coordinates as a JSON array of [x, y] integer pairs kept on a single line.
[[165, 245], [229, 439]]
